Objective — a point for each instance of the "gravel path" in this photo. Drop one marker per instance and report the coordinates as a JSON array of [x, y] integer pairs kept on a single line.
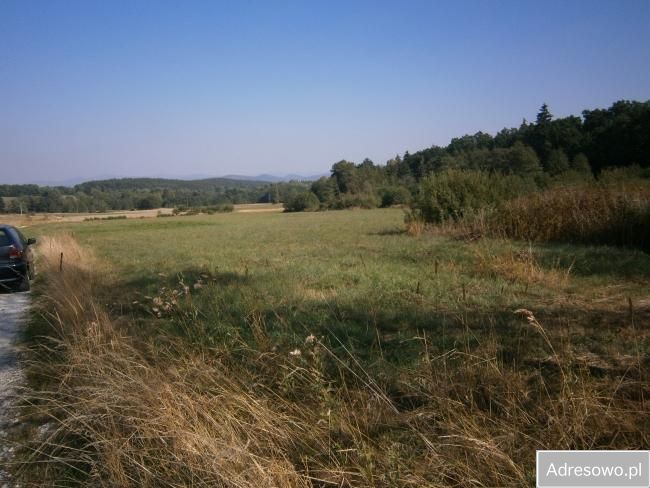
[[13, 311]]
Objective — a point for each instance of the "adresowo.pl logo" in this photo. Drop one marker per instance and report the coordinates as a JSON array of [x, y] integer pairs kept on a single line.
[[614, 469]]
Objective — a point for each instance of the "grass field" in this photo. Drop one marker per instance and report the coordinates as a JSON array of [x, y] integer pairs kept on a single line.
[[362, 356]]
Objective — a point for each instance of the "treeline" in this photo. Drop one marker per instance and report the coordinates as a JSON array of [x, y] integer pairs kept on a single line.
[[533, 156], [142, 194]]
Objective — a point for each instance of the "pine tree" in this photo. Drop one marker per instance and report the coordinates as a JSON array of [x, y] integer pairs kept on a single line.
[[544, 116]]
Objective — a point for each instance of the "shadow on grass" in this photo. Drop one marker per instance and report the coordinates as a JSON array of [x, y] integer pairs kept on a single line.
[[150, 283], [596, 260], [240, 311], [393, 231]]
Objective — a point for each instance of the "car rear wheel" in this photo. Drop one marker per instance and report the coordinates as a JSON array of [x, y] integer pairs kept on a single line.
[[24, 284]]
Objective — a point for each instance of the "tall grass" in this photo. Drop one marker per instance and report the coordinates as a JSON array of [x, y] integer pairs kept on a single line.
[[612, 211], [588, 214], [155, 416], [131, 407]]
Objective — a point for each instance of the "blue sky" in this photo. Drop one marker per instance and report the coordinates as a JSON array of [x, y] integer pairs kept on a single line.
[[150, 88]]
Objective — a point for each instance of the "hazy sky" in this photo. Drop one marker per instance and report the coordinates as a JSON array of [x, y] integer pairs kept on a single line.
[[143, 88]]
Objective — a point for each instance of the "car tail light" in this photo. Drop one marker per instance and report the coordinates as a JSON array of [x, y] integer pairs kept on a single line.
[[15, 253]]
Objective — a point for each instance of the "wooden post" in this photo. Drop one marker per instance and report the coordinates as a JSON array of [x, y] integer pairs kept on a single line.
[[61, 263]]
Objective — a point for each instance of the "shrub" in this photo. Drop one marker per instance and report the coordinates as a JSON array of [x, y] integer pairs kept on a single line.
[[572, 177], [453, 194], [359, 200], [206, 209], [302, 202], [580, 163], [220, 208], [149, 201], [610, 176], [394, 195], [110, 217], [557, 162], [414, 222]]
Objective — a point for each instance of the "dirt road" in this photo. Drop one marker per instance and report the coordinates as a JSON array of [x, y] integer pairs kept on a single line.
[[13, 311]]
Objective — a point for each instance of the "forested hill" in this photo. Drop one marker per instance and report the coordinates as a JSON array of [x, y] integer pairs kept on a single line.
[[142, 193], [120, 184], [549, 151]]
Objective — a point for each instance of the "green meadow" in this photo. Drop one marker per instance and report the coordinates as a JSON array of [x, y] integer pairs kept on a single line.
[[352, 275], [478, 351]]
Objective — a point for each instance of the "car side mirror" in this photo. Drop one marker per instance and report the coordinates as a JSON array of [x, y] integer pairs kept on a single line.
[[31, 241]]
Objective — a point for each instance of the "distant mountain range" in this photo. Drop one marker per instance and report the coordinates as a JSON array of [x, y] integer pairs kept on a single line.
[[274, 178], [262, 178]]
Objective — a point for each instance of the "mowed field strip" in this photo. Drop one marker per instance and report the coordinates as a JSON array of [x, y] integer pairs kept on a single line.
[[57, 218]]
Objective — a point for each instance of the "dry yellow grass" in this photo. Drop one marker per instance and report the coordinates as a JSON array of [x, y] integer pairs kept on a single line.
[[522, 266], [23, 220], [166, 420], [57, 218], [592, 215]]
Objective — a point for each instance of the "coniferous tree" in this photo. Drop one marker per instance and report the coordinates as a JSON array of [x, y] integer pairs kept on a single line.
[[544, 116]]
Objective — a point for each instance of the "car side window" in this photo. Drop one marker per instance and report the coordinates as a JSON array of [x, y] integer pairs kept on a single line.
[[22, 237], [5, 239]]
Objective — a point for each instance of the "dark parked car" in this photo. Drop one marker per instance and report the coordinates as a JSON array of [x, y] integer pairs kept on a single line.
[[16, 259]]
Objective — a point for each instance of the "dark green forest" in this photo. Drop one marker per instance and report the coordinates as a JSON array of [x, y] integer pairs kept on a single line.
[[536, 155], [603, 143]]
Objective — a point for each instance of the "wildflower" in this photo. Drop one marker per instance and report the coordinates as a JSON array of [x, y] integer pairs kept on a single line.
[[310, 339]]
